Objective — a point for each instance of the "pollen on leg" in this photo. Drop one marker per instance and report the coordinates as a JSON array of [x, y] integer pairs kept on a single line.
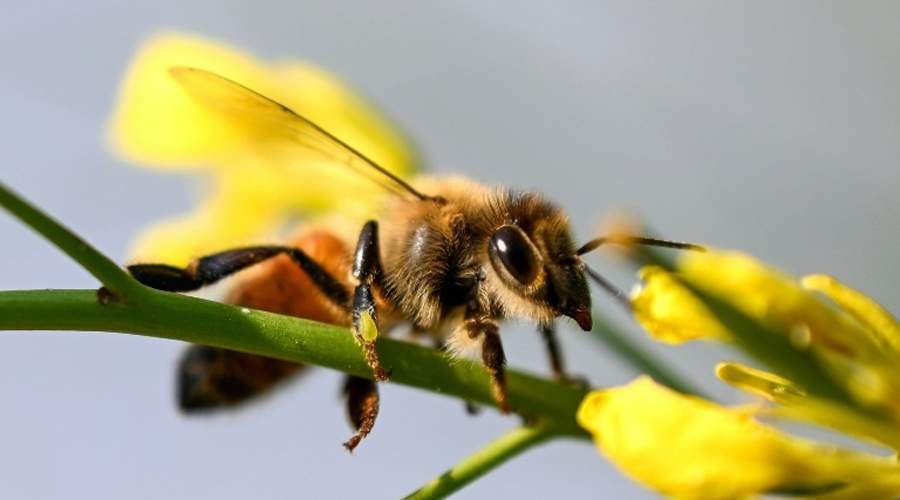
[[368, 330]]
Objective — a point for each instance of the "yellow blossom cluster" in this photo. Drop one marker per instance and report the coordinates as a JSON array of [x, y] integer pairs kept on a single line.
[[689, 448]]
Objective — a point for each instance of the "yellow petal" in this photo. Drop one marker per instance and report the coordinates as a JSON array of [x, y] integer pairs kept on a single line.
[[156, 122], [670, 312], [773, 298], [797, 405], [851, 353], [767, 385], [222, 221], [691, 449], [866, 311], [258, 178], [249, 205]]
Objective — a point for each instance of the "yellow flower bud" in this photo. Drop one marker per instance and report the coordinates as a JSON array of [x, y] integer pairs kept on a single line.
[[670, 312]]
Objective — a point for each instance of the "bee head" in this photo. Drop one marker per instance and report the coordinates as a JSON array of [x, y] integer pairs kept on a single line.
[[536, 262]]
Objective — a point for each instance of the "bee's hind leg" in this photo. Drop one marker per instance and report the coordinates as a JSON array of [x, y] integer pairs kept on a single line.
[[362, 407], [368, 271]]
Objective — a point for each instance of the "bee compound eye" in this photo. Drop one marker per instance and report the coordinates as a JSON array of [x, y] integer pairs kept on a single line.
[[511, 249]]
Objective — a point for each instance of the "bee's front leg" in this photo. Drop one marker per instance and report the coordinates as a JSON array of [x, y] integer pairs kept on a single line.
[[557, 367], [482, 329], [367, 270]]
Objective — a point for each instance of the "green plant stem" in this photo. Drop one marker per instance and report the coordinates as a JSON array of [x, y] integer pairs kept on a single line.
[[172, 316], [482, 462], [116, 280]]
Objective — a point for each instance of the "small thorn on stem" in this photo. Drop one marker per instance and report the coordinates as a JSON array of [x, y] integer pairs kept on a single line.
[[104, 296]]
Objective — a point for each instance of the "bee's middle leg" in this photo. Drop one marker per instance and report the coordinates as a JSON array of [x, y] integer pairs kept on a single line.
[[368, 271]]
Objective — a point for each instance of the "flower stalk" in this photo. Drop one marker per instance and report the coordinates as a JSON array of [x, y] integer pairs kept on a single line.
[[482, 462], [189, 319], [113, 277]]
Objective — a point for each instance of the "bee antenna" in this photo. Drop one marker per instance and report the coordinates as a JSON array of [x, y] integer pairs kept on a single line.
[[638, 240], [614, 291]]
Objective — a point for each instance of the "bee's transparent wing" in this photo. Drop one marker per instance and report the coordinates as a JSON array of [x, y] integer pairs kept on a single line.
[[233, 99]]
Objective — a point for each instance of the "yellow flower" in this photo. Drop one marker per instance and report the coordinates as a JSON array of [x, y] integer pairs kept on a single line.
[[795, 404], [688, 448], [257, 179], [854, 346], [691, 449], [883, 327]]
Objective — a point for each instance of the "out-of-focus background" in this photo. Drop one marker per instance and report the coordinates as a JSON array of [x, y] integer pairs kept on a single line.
[[768, 127]]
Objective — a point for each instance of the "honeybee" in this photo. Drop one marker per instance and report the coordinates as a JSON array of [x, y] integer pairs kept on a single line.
[[449, 256]]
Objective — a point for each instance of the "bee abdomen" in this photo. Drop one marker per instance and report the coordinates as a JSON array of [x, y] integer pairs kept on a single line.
[[211, 378]]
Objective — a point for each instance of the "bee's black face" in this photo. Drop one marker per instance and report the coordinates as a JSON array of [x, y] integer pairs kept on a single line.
[[545, 271], [567, 291]]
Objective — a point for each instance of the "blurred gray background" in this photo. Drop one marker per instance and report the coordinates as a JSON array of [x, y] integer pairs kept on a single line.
[[770, 127]]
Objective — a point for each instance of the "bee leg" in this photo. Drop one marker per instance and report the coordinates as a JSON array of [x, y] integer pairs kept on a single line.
[[548, 332], [210, 269], [493, 358], [367, 270], [487, 332], [362, 408]]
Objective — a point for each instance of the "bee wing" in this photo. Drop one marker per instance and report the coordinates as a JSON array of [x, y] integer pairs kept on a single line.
[[234, 99]]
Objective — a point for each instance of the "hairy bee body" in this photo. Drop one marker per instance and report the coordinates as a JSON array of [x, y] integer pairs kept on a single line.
[[448, 255], [432, 255]]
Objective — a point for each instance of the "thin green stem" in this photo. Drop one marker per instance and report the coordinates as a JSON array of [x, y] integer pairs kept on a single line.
[[116, 280], [482, 462], [172, 316]]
